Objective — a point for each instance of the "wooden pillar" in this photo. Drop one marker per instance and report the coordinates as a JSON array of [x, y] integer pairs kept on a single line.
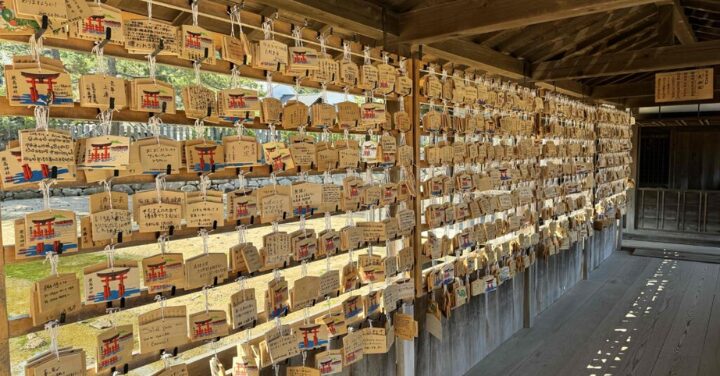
[[5, 367], [417, 203]]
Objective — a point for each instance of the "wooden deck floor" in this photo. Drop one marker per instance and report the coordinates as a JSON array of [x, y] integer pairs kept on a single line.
[[634, 316]]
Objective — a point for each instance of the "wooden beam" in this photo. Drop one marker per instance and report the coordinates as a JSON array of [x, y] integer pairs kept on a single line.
[[476, 56], [5, 366], [681, 26], [634, 90], [460, 18], [705, 5], [665, 25], [648, 60], [358, 16], [587, 40]]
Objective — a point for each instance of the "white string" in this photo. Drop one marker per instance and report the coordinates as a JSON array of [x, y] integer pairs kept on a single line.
[[206, 292], [162, 243], [42, 118], [199, 128], [149, 9], [205, 235], [108, 189], [241, 234], [110, 253], [328, 221], [194, 10], [366, 56], [152, 66], [346, 51], [234, 77], [159, 186], [297, 36], [241, 181], [52, 330], [323, 46], [155, 125], [100, 61], [36, 48], [204, 185], [269, 88], [44, 186], [161, 300], [267, 28], [196, 69], [52, 258]]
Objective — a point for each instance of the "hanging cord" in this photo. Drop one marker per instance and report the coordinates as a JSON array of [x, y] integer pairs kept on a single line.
[[101, 63], [110, 253], [194, 11], [149, 9], [107, 186], [269, 88], [36, 48], [346, 52], [159, 186], [161, 300], [44, 186], [235, 77], [297, 35], [366, 56], [52, 258], [204, 185], [42, 118], [196, 70], [152, 66], [267, 28], [235, 19], [205, 235], [52, 329]]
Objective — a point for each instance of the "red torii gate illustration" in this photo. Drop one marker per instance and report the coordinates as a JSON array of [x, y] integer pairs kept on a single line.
[[306, 332], [114, 275], [94, 25], [111, 345], [237, 101], [203, 328], [192, 40], [35, 79], [300, 57], [157, 271], [326, 366], [151, 99], [206, 151], [97, 155], [40, 232]]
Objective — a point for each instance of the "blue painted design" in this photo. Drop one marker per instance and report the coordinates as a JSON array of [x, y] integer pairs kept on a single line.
[[42, 100], [115, 295], [32, 250], [36, 176], [312, 345]]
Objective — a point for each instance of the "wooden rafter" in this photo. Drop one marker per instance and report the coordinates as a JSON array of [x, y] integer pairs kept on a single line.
[[357, 15], [704, 5], [587, 41], [665, 25], [486, 59], [633, 90], [647, 60], [459, 18], [681, 26]]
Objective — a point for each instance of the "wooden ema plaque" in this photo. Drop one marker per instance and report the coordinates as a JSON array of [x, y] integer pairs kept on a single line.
[[303, 151], [206, 325], [163, 272], [114, 349], [242, 204], [304, 292], [96, 91], [244, 258], [67, 361], [348, 115], [143, 35], [205, 270], [270, 55], [243, 308], [311, 336], [14, 174], [156, 155], [278, 156], [32, 86], [302, 371], [303, 244], [194, 42], [236, 50], [241, 151], [352, 348], [329, 362], [238, 103], [105, 284], [49, 230], [94, 26], [204, 156], [48, 148], [278, 345], [302, 61], [162, 329], [276, 298], [147, 95], [53, 297]]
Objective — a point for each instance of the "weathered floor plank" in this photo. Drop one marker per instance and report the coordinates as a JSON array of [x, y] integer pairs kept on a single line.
[[634, 316]]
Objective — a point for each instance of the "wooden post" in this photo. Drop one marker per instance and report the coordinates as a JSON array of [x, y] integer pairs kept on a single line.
[[415, 113], [5, 366]]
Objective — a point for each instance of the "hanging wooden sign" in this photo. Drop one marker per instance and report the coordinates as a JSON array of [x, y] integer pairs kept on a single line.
[[147, 95], [334, 320], [276, 249], [303, 151], [205, 270], [199, 102], [349, 73], [204, 156], [163, 272], [67, 361], [329, 362], [304, 292], [368, 77], [689, 85], [238, 103], [48, 148], [270, 55], [276, 298], [328, 70], [156, 155], [302, 371], [302, 60], [206, 325], [372, 115], [50, 230], [105, 284], [114, 348], [143, 35], [32, 86], [159, 217], [323, 115], [162, 329], [352, 348], [294, 115], [403, 85], [54, 296], [278, 156], [271, 110], [243, 308], [197, 43], [236, 50], [328, 243], [241, 205], [348, 115], [93, 26], [329, 283], [386, 78], [98, 91]]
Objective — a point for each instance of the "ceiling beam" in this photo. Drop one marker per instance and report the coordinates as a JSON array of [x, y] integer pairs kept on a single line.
[[706, 5], [484, 58], [665, 25], [681, 26], [358, 16], [634, 90], [647, 60], [461, 18]]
